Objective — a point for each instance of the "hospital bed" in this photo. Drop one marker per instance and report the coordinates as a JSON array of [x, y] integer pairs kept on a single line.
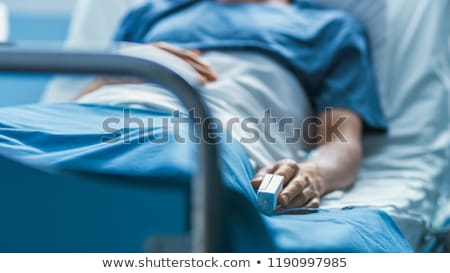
[[410, 160]]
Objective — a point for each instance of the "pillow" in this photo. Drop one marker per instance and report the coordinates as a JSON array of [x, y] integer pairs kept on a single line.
[[417, 103], [373, 15], [94, 23]]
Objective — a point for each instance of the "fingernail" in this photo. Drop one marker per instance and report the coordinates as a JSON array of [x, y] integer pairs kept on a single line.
[[284, 200]]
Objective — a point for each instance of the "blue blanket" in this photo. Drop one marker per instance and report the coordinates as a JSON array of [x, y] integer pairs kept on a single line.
[[79, 138]]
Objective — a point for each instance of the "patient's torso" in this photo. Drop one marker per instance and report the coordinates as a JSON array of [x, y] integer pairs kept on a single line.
[[254, 86], [250, 87]]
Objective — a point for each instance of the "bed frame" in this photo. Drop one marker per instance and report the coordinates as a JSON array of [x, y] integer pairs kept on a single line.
[[208, 215]]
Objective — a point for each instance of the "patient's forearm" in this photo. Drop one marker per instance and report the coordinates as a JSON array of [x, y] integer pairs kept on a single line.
[[205, 72], [99, 82], [336, 166], [339, 155], [333, 167]]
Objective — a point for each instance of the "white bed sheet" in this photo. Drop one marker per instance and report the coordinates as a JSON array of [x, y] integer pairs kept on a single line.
[[404, 172]]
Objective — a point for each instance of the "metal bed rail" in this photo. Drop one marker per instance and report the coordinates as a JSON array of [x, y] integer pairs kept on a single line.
[[208, 217]]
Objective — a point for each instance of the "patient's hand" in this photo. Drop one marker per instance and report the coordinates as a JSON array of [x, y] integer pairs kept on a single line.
[[303, 184], [333, 167], [192, 57]]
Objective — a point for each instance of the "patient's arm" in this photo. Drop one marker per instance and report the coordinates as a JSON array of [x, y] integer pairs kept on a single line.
[[333, 167], [192, 57], [99, 82]]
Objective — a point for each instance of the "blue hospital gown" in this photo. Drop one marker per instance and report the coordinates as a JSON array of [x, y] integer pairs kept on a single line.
[[327, 50]]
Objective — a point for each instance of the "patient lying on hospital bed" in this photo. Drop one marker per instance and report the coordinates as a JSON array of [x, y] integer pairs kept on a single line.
[[294, 59], [284, 65]]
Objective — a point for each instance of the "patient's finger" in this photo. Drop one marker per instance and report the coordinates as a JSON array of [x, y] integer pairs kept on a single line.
[[204, 71], [196, 52], [168, 47], [296, 193], [313, 204], [257, 180], [288, 169], [267, 170], [302, 200], [211, 75], [202, 68], [192, 57], [187, 55], [207, 74]]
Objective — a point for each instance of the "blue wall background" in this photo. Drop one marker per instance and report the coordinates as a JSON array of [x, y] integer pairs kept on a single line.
[[45, 6], [28, 28]]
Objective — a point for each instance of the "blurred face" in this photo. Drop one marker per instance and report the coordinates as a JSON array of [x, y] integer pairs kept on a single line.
[[256, 1]]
